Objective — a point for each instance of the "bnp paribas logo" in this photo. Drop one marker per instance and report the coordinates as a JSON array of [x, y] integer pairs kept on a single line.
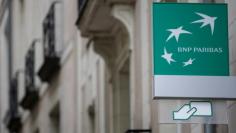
[[190, 39], [175, 33]]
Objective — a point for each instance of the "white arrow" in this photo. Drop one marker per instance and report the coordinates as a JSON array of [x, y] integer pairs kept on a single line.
[[176, 33], [206, 20], [189, 62], [167, 56]]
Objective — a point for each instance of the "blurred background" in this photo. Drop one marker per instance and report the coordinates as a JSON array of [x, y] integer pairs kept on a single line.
[[85, 66]]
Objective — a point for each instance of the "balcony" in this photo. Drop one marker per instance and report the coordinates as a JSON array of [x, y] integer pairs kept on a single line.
[[31, 92], [51, 63], [13, 118]]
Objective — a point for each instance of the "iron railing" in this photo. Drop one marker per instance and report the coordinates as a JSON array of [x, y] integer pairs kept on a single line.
[[29, 69], [31, 91], [139, 131], [81, 5], [51, 62], [13, 117], [49, 33], [13, 97]]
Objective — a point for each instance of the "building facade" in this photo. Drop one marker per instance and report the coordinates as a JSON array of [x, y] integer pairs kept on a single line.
[[85, 66]]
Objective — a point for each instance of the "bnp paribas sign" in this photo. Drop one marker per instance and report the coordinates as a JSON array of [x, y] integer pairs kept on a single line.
[[191, 52]]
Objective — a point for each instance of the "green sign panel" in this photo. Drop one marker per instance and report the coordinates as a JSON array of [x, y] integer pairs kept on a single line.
[[190, 39]]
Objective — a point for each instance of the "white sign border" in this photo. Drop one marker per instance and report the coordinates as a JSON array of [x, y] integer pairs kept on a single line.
[[194, 87]]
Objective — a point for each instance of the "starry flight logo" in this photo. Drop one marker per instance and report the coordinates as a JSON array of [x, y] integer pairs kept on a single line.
[[176, 34], [190, 39]]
